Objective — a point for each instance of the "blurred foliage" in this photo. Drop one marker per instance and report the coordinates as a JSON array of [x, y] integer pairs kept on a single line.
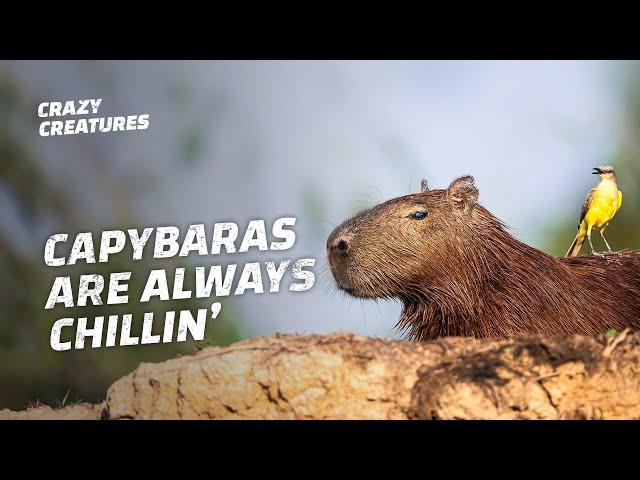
[[623, 231], [612, 333], [315, 208], [30, 370]]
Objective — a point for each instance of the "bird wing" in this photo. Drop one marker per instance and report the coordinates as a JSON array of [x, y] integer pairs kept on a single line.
[[619, 199], [587, 203]]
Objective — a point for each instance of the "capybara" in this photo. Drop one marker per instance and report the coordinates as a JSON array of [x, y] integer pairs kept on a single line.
[[457, 271]]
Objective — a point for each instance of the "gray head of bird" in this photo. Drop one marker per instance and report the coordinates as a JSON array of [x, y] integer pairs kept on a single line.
[[604, 171]]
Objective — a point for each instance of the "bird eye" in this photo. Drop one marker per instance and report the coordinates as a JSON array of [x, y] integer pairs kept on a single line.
[[419, 215]]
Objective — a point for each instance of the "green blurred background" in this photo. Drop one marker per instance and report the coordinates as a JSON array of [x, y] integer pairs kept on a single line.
[[339, 136]]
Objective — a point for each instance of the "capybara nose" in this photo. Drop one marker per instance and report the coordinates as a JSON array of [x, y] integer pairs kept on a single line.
[[339, 245], [342, 246]]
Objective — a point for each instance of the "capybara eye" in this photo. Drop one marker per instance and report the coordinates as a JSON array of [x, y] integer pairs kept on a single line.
[[419, 215]]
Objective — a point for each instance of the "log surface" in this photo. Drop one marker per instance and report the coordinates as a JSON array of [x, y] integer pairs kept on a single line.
[[345, 376]]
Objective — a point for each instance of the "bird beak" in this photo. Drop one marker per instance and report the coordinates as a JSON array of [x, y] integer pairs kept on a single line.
[[596, 171]]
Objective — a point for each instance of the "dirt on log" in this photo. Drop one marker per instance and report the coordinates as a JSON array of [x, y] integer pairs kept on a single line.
[[345, 376]]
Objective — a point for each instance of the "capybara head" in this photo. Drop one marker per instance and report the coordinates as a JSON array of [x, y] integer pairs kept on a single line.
[[392, 249]]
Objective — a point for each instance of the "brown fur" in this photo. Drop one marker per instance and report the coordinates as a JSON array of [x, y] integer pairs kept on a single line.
[[459, 272]]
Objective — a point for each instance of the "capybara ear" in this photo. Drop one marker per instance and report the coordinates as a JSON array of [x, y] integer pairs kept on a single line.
[[463, 192], [424, 185]]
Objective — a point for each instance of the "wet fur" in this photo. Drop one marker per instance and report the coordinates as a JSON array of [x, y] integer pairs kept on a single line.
[[463, 274]]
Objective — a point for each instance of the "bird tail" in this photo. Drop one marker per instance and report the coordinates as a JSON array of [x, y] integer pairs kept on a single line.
[[575, 247]]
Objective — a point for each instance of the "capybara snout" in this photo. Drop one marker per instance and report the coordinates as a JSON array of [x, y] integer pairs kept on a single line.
[[339, 250]]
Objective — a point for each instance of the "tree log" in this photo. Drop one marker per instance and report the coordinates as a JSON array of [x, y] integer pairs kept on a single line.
[[345, 376]]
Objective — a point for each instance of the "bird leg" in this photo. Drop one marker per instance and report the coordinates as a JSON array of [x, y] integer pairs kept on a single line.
[[593, 250], [605, 240]]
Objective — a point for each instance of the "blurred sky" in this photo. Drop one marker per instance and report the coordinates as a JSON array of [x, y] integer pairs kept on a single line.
[[242, 140]]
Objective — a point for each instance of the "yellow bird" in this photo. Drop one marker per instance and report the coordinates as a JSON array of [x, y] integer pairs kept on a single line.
[[598, 209]]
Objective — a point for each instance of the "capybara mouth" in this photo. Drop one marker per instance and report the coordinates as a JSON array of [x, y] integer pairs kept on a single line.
[[352, 289], [340, 275]]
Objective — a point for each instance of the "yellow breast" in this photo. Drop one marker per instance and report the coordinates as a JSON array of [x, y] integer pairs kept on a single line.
[[604, 205]]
